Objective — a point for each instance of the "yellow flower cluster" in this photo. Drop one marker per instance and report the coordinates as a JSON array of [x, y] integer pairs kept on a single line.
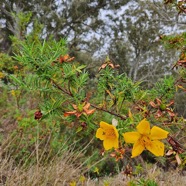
[[143, 138]]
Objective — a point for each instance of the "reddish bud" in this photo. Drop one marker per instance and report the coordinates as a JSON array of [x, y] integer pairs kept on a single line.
[[38, 115], [84, 125]]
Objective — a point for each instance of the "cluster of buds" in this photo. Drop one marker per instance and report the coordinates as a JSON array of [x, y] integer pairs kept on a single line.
[[128, 170], [162, 108], [108, 63], [181, 63], [80, 109], [176, 149], [118, 153], [63, 59], [142, 107], [180, 84]]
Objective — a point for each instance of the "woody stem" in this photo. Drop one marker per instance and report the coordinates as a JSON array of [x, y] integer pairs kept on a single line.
[[94, 106]]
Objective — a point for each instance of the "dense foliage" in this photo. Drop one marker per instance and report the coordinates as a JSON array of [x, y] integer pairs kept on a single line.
[[53, 103]]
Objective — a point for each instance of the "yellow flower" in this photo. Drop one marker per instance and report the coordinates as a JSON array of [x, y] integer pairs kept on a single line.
[[13, 93], [109, 134], [146, 138]]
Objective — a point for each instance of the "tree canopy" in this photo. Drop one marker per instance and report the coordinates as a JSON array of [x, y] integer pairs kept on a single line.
[[129, 32]]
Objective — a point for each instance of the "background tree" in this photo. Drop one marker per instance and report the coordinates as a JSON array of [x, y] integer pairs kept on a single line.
[[129, 32]]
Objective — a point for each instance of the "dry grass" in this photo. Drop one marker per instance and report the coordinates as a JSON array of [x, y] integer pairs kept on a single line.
[[59, 172], [162, 178], [64, 171], [67, 170]]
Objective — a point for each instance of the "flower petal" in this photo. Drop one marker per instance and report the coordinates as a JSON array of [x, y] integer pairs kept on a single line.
[[156, 147], [138, 148], [143, 127], [100, 134], [115, 131], [105, 125], [110, 143], [158, 133], [131, 137]]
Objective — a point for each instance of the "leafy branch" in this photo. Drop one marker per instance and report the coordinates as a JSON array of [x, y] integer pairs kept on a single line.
[[94, 106]]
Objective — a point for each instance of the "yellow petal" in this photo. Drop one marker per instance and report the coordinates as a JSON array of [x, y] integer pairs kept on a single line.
[[138, 148], [158, 133], [110, 143], [156, 147], [116, 131], [100, 134], [131, 137], [105, 125], [143, 127]]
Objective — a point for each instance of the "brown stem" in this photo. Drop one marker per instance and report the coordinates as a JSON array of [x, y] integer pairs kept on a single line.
[[60, 88], [94, 106], [110, 112]]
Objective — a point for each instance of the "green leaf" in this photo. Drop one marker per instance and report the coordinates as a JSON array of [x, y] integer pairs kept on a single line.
[[16, 80]]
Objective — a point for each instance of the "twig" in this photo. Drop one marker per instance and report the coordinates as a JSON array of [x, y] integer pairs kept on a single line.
[[60, 88], [110, 112], [94, 106]]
